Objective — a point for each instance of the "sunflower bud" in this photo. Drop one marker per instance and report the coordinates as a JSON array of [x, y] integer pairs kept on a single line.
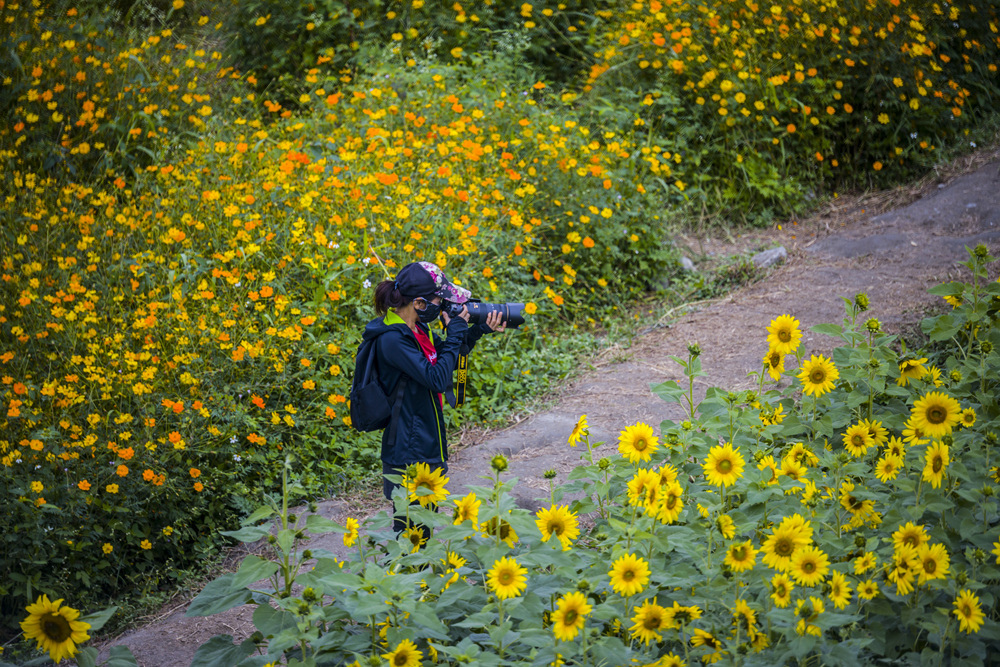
[[271, 539], [860, 541], [987, 491], [499, 463], [687, 425], [955, 375], [861, 301], [550, 474], [874, 364], [374, 661], [583, 586], [947, 440], [961, 579], [979, 556], [873, 326], [694, 349], [986, 346], [604, 463], [309, 594], [307, 554], [257, 637], [313, 506], [981, 252], [991, 438]]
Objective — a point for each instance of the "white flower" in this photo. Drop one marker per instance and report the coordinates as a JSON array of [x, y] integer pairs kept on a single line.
[[972, 143], [366, 260], [366, 284], [237, 457]]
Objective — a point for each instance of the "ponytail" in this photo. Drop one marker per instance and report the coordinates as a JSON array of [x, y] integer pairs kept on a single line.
[[388, 296]]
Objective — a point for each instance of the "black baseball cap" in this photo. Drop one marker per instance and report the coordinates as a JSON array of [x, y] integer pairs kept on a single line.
[[426, 280]]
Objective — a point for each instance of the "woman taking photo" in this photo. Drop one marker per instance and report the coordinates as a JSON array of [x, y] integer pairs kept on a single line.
[[408, 351]]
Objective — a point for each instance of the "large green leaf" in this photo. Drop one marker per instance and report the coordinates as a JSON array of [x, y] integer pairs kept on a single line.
[[252, 569], [220, 651], [216, 597]]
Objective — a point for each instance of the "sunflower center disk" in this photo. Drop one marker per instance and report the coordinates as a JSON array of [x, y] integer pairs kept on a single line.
[[55, 627]]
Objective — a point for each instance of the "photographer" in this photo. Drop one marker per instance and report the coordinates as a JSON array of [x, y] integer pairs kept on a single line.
[[407, 349]]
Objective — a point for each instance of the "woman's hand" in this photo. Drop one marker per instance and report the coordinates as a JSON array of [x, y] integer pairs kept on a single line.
[[464, 315], [495, 322]]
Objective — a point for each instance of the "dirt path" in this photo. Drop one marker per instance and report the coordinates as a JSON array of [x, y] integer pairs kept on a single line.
[[893, 246]]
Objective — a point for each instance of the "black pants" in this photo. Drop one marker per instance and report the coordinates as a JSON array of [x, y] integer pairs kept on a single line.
[[399, 523]]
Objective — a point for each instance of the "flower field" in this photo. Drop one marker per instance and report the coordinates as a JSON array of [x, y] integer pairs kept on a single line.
[[844, 514], [193, 219]]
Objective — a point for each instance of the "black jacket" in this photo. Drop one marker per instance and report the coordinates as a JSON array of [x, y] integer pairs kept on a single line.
[[420, 434]]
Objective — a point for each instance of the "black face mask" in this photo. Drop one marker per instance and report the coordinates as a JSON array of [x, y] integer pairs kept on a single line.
[[430, 312]]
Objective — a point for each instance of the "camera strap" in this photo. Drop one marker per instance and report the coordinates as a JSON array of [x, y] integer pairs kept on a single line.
[[461, 375]]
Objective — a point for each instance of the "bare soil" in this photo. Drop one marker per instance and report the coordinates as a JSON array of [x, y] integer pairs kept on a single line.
[[892, 245]]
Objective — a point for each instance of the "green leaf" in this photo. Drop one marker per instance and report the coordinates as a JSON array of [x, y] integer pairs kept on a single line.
[[261, 513], [216, 597], [87, 657], [271, 622], [99, 618], [120, 656], [424, 616], [252, 569], [220, 651], [669, 391], [248, 534], [828, 329], [320, 524]]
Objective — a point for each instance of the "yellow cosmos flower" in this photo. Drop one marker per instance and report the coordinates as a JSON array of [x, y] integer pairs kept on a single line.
[[507, 578], [783, 334], [55, 627], [637, 443], [570, 615], [936, 414], [629, 575], [818, 375], [724, 465]]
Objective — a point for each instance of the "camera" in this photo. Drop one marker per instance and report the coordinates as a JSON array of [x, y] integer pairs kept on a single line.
[[511, 313]]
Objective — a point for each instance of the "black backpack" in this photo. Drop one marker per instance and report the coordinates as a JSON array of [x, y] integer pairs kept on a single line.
[[371, 409]]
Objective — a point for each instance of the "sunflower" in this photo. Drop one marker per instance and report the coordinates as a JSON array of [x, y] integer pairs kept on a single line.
[[452, 564], [406, 655], [744, 617], [818, 375], [867, 589], [629, 575], [792, 534], [55, 627], [671, 503], [649, 619], [741, 556], [933, 562], [669, 660], [802, 455], [507, 579], [934, 376], [968, 417], [416, 536], [639, 485], [668, 475], [809, 565], [569, 617], [558, 521], [840, 590], [895, 447], [969, 613], [852, 503], [857, 440], [807, 614], [774, 364], [781, 590], [494, 526], [769, 416], [902, 571], [351, 536], [935, 414], [426, 486], [864, 562], [579, 431], [912, 434], [910, 535], [637, 442], [724, 465], [888, 468], [709, 641], [783, 334], [936, 463], [726, 526], [879, 434], [681, 615], [911, 369], [767, 463], [467, 509]]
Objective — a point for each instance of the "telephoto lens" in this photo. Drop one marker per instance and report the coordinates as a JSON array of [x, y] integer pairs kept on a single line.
[[511, 313]]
